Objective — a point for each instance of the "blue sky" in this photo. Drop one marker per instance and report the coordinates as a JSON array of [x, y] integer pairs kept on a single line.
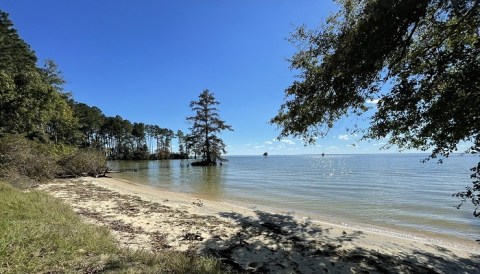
[[146, 60]]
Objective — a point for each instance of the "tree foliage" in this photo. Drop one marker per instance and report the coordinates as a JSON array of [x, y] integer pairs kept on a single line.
[[182, 145], [90, 121], [472, 193], [31, 98], [121, 139], [419, 58], [206, 125], [33, 104], [15, 55], [427, 50]]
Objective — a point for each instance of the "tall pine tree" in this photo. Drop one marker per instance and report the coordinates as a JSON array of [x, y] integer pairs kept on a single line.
[[206, 125], [31, 100]]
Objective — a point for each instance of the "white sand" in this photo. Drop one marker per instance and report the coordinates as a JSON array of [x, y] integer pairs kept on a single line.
[[148, 218]]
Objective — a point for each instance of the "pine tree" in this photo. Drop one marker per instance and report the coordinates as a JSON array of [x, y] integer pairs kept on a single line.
[[206, 125]]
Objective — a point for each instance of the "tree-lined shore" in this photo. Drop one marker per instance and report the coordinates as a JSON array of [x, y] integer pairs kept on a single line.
[[407, 71], [35, 106], [45, 134], [33, 103]]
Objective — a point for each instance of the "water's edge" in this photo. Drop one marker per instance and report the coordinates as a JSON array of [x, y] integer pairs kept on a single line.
[[376, 192], [418, 235]]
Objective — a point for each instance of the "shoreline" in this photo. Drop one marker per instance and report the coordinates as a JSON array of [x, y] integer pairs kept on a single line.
[[415, 234], [146, 217], [402, 233]]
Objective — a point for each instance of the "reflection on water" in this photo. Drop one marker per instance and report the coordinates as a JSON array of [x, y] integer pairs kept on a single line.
[[386, 190], [174, 175]]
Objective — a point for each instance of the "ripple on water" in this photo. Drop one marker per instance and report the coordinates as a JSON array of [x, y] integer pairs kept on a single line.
[[385, 190]]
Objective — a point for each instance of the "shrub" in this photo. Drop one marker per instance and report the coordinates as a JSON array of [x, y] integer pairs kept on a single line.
[[83, 162], [22, 160]]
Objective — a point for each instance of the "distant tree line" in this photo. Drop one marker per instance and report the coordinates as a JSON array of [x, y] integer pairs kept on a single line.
[[33, 104], [121, 139]]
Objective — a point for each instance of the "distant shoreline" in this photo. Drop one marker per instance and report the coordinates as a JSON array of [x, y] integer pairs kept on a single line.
[[148, 218], [319, 154], [376, 153]]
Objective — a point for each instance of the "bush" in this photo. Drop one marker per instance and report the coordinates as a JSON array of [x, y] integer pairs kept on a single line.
[[22, 159], [140, 154], [24, 162], [83, 162]]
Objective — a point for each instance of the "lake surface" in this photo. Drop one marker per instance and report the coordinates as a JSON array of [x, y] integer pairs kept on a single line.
[[395, 191]]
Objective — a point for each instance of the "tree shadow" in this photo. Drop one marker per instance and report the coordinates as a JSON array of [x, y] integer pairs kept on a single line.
[[275, 243]]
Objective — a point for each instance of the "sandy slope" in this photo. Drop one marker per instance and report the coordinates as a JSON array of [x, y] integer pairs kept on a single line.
[[248, 240]]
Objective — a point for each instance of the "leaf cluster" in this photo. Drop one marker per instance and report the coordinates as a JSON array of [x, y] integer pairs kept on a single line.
[[206, 126], [419, 57], [27, 162], [31, 98], [472, 193], [34, 104]]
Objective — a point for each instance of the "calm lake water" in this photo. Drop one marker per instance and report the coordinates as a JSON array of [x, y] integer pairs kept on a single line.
[[395, 191]]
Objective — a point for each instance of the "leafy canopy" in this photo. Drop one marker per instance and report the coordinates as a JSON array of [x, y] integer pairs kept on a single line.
[[31, 98], [420, 58]]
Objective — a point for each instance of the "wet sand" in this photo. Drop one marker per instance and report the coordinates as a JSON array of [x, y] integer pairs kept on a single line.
[[248, 240]]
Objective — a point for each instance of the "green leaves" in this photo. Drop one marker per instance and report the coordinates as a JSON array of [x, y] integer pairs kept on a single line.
[[205, 125], [15, 54], [472, 193], [428, 52], [421, 58], [436, 88], [31, 101]]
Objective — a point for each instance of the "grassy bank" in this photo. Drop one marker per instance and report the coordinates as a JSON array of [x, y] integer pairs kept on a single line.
[[40, 234]]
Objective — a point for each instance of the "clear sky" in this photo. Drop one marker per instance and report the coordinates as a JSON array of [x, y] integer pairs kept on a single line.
[[145, 60]]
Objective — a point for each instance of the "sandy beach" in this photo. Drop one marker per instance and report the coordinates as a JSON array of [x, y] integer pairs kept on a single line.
[[248, 240]]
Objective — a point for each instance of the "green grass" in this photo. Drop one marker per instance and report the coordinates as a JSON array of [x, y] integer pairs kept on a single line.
[[40, 234]]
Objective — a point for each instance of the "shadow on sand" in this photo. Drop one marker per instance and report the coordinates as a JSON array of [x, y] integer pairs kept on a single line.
[[273, 243]]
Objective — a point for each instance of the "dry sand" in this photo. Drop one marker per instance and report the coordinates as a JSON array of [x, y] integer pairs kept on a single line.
[[247, 240]]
